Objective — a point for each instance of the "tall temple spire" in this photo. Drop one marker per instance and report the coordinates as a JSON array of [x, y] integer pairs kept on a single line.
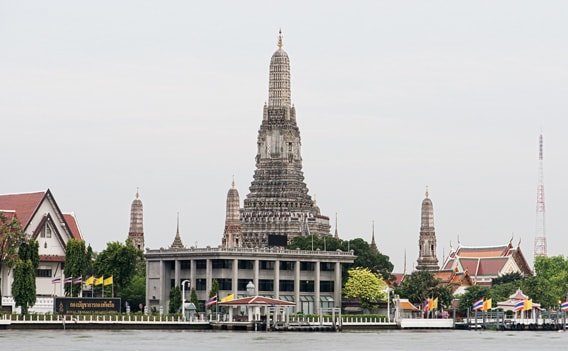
[[177, 243], [373, 243], [232, 232], [278, 207], [427, 259], [136, 231], [336, 231], [279, 83]]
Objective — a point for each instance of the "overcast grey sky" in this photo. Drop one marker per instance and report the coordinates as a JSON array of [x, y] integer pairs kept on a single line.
[[98, 98]]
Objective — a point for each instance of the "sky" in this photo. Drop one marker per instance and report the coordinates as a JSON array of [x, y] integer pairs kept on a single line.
[[99, 98]]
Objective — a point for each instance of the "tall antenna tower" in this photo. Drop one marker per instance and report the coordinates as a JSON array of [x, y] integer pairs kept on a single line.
[[540, 237]]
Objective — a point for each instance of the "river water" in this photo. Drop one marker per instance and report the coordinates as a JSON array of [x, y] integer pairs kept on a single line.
[[455, 340]]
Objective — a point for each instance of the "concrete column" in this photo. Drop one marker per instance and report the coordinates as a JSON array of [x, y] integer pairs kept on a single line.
[[277, 279], [235, 277], [192, 275], [337, 285], [163, 285], [255, 276], [177, 269], [208, 276], [317, 302], [297, 286]]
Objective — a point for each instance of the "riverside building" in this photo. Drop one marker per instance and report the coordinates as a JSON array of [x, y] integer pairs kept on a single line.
[[277, 209]]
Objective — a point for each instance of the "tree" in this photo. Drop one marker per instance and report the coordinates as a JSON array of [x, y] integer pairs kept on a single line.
[[11, 235], [214, 288], [121, 261], [194, 299], [76, 262], [418, 286], [550, 283], [507, 278], [364, 285], [175, 300], [473, 293], [24, 284]]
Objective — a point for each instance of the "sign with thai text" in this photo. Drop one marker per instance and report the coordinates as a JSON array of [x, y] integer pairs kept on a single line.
[[86, 305]]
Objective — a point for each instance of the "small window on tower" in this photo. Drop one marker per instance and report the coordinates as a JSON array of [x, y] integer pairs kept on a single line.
[[47, 231]]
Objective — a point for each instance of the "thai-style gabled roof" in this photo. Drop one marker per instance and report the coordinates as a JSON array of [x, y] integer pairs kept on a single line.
[[257, 301], [73, 226], [22, 205], [406, 305]]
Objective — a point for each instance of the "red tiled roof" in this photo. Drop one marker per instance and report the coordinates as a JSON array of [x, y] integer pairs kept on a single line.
[[258, 300], [23, 204], [496, 251], [8, 214], [51, 258], [398, 278], [449, 264], [73, 226], [491, 266]]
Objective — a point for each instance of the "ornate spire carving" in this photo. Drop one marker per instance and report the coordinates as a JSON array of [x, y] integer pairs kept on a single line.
[[136, 231], [232, 232], [177, 243], [373, 243], [279, 83], [427, 259]]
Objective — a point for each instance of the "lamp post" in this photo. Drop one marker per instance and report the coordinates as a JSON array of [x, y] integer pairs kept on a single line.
[[183, 297]]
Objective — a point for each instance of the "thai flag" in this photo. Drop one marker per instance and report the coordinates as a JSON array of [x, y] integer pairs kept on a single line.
[[477, 305], [211, 301], [68, 280], [78, 280], [564, 306], [55, 280], [519, 305]]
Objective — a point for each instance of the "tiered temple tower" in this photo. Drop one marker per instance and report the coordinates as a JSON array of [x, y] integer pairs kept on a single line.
[[427, 260], [136, 231], [232, 233], [177, 243], [278, 207]]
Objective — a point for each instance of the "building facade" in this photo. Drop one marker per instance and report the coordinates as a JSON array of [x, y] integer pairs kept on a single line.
[[310, 279], [41, 220], [278, 206], [427, 260]]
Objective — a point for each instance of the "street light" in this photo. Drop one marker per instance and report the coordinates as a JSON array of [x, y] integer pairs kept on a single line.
[[183, 297]]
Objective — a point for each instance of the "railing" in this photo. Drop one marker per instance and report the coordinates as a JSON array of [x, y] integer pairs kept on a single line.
[[101, 319], [345, 320]]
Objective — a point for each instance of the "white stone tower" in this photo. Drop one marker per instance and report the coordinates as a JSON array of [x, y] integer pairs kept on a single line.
[[232, 232]]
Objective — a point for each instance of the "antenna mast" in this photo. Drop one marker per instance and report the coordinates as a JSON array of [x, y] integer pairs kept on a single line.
[[540, 237]]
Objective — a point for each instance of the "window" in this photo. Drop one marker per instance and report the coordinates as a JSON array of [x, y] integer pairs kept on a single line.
[[266, 285], [200, 264], [307, 266], [47, 231], [201, 284], [44, 273], [286, 285], [267, 265], [327, 286], [222, 264], [245, 264], [327, 266], [242, 284], [225, 283], [306, 285], [184, 264], [287, 265]]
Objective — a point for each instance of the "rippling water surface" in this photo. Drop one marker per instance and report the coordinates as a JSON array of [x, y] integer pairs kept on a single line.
[[11, 340]]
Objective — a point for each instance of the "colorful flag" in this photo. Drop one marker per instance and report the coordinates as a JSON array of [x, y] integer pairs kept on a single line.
[[229, 297], [90, 280], [426, 305], [519, 305], [55, 280], [99, 281], [487, 305], [68, 280], [435, 304], [107, 281], [528, 305], [211, 301], [78, 280], [564, 306], [477, 305]]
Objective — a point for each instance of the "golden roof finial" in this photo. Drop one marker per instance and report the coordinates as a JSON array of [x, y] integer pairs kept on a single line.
[[280, 44], [233, 183], [137, 195], [427, 191]]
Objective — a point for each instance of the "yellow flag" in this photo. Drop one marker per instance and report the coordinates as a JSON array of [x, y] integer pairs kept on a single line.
[[528, 305], [99, 281], [108, 281], [435, 304], [229, 297], [487, 304], [90, 280]]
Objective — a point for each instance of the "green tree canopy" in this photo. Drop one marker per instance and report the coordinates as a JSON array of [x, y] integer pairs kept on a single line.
[[76, 263], [418, 286], [121, 261], [11, 235], [472, 294], [550, 283], [175, 300], [214, 289], [365, 285], [24, 284]]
